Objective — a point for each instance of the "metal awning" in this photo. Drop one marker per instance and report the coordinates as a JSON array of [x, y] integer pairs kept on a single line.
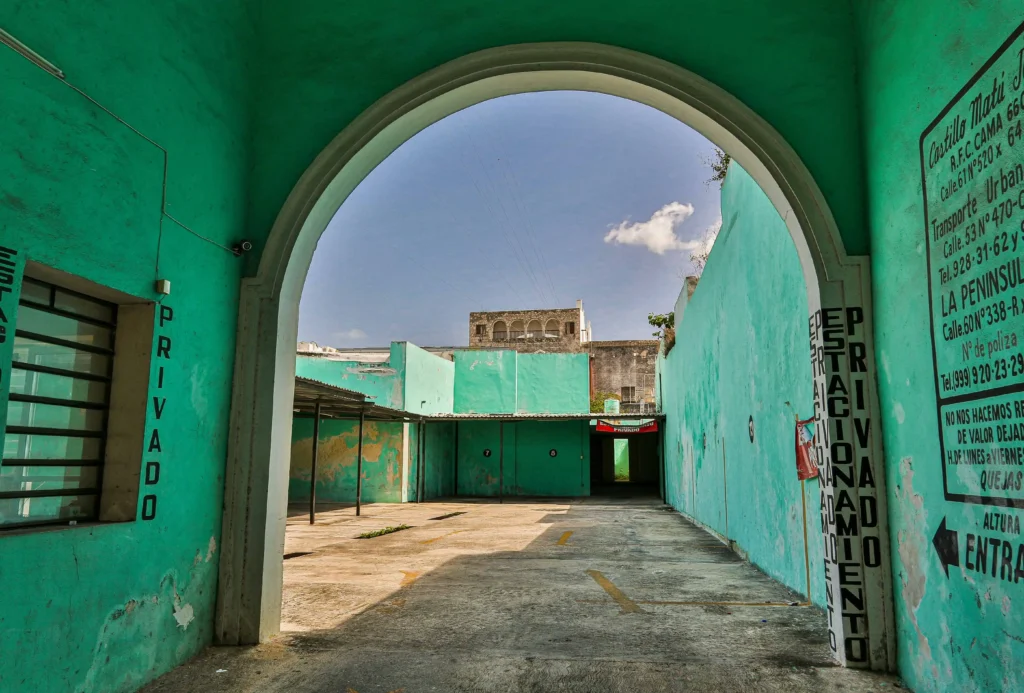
[[339, 403], [586, 416]]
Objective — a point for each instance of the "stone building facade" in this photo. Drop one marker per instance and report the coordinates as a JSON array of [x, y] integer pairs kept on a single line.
[[530, 331], [627, 369], [621, 368]]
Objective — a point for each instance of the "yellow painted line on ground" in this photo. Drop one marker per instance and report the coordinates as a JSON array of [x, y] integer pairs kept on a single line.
[[431, 541], [657, 603], [564, 538], [627, 604], [410, 577]]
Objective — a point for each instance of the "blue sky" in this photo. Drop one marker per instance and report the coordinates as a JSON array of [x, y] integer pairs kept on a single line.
[[528, 201]]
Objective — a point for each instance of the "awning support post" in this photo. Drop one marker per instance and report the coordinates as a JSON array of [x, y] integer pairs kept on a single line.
[[359, 463], [312, 474]]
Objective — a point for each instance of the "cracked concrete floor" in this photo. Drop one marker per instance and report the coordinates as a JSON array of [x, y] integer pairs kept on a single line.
[[591, 595]]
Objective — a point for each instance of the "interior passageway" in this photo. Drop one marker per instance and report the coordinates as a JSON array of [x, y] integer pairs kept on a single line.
[[596, 594]]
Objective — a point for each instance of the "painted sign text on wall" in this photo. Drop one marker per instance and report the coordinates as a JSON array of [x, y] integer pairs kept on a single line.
[[843, 445], [154, 448], [11, 265], [972, 168]]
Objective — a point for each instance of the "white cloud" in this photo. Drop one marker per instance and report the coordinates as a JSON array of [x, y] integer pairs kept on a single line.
[[657, 234], [354, 335]]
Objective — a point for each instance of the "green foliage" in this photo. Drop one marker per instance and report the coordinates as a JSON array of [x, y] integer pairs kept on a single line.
[[597, 401], [663, 321], [719, 165], [382, 532]]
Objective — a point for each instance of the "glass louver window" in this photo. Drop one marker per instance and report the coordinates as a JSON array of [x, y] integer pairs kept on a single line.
[[52, 468]]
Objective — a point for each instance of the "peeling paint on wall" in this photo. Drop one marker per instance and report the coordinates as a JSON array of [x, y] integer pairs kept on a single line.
[[741, 354]]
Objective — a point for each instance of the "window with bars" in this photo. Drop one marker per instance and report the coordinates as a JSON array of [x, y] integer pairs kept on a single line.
[[60, 377], [628, 395]]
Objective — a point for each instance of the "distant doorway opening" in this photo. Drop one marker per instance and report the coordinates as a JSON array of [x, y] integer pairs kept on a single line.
[[624, 459]]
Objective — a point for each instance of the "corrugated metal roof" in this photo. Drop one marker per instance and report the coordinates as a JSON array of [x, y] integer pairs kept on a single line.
[[546, 417]]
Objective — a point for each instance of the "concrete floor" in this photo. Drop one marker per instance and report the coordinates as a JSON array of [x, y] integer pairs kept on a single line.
[[592, 595]]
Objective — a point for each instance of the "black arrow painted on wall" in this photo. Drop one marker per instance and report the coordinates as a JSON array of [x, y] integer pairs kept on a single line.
[[947, 545]]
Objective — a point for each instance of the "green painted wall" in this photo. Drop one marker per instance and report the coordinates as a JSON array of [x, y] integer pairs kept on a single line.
[[964, 632], [485, 382], [620, 448], [553, 383], [529, 467], [82, 192], [495, 382], [478, 458], [538, 473], [381, 381], [788, 58], [742, 351], [428, 381], [337, 457], [112, 606], [440, 460]]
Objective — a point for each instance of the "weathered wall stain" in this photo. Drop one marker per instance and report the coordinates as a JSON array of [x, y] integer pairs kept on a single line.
[[741, 353], [337, 459]]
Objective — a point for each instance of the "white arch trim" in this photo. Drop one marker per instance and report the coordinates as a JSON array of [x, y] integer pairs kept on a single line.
[[249, 599]]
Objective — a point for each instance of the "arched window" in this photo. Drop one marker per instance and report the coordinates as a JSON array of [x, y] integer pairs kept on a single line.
[[551, 329], [500, 331], [534, 329], [518, 330]]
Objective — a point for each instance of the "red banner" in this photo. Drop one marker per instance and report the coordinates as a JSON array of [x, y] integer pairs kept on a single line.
[[805, 466], [609, 427]]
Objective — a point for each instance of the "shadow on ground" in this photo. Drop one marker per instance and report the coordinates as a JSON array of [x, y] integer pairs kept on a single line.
[[635, 598]]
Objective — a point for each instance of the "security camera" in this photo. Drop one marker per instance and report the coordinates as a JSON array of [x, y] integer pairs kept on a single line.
[[241, 247]]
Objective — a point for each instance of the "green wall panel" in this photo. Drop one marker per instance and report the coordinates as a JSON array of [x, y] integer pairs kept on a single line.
[[742, 353], [337, 458], [553, 383], [529, 468], [440, 460], [478, 457], [964, 632], [621, 449], [113, 606], [538, 473], [380, 381], [428, 381], [788, 58], [485, 382]]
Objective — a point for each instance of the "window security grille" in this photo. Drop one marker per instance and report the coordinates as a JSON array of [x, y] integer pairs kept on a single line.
[[52, 468]]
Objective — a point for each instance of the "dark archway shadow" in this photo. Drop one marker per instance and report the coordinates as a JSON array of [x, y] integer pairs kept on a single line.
[[539, 618]]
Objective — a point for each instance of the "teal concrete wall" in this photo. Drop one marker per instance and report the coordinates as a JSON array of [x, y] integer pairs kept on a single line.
[[485, 382], [380, 381], [742, 351], [337, 458], [529, 467], [788, 58], [553, 384], [412, 379], [428, 381], [964, 632], [503, 382], [108, 607], [620, 449], [242, 103], [440, 460]]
